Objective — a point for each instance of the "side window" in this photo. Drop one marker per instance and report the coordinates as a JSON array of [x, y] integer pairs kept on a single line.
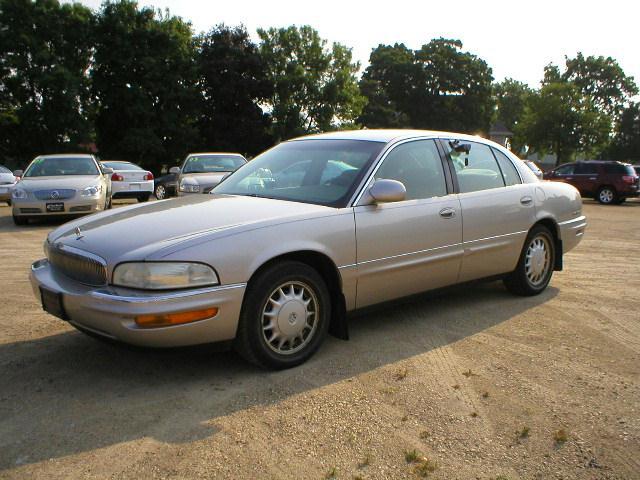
[[477, 170], [509, 172], [565, 170], [586, 169], [418, 166]]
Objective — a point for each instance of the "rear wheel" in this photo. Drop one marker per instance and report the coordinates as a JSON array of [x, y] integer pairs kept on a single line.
[[144, 197], [20, 220], [285, 316], [607, 195], [160, 192], [535, 267], [108, 203]]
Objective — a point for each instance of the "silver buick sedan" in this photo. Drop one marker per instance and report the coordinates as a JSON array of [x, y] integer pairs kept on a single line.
[[311, 229]]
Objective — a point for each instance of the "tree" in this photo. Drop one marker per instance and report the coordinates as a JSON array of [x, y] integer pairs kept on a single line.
[[511, 97], [562, 120], [603, 80], [315, 87], [144, 81], [625, 144], [439, 87], [233, 82], [45, 52]]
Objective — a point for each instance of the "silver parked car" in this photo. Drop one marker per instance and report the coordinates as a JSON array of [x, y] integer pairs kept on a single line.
[[7, 182], [61, 185], [273, 259], [200, 172]]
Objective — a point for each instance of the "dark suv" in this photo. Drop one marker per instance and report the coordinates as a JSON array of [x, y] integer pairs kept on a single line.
[[608, 182]]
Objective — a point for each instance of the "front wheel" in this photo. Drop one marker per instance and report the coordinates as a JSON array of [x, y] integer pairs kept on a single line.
[[20, 220], [607, 195], [535, 266], [285, 316]]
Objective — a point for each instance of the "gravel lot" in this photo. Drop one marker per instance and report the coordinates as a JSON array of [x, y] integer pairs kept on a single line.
[[479, 383]]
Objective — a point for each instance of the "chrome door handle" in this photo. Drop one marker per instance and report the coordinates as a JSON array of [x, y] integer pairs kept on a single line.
[[526, 200], [447, 212]]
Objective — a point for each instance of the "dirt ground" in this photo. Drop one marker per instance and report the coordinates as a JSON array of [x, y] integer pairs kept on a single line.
[[469, 384]]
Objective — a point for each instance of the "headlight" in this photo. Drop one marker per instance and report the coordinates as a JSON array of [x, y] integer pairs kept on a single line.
[[91, 191], [189, 187], [164, 275], [18, 193]]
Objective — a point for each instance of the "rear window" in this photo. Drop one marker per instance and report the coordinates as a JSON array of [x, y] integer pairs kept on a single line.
[[586, 168], [619, 168], [122, 166]]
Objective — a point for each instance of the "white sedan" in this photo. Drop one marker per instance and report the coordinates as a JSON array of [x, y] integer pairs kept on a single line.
[[129, 180]]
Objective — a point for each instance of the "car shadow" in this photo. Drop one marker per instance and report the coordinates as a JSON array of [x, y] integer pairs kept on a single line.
[[68, 393]]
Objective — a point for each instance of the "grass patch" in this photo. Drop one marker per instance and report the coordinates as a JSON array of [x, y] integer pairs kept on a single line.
[[365, 461], [473, 414], [424, 435], [469, 373], [524, 432], [425, 467], [401, 374], [405, 418], [331, 474], [411, 456], [485, 395], [456, 387], [560, 436]]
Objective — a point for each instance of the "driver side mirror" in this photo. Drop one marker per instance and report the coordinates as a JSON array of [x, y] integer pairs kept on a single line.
[[386, 191], [18, 173], [175, 170], [107, 170]]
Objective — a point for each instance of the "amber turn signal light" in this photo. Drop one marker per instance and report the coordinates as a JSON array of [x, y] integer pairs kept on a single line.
[[164, 320]]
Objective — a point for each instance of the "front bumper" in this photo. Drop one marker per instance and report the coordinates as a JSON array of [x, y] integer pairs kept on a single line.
[[5, 192], [73, 206], [110, 311]]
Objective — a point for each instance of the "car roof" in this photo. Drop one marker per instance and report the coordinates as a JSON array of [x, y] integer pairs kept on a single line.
[[216, 153], [387, 135], [66, 155], [116, 161]]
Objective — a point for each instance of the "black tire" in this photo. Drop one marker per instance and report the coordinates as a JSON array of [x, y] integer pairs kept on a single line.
[[9, 202], [251, 342], [160, 192], [620, 201], [607, 195], [519, 282], [144, 197], [20, 220]]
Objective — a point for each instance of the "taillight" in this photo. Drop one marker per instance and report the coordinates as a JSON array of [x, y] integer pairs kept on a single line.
[[116, 177], [148, 176], [630, 179]]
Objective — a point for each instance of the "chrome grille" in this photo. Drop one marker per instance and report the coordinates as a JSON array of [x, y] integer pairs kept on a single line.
[[80, 266], [55, 194]]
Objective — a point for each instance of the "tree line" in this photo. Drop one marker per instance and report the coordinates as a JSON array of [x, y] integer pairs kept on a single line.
[[143, 87]]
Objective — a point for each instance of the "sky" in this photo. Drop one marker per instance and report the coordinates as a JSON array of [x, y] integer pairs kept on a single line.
[[516, 38]]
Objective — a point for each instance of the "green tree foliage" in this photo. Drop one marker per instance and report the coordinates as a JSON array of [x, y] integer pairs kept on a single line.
[[144, 80], [603, 80], [45, 51], [233, 83], [626, 141], [561, 119], [315, 87], [439, 86], [511, 97]]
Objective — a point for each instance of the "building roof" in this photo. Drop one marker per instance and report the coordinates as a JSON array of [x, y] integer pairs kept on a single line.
[[499, 128]]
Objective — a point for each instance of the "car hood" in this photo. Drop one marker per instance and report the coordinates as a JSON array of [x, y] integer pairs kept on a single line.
[[75, 182], [206, 179], [159, 228], [7, 178]]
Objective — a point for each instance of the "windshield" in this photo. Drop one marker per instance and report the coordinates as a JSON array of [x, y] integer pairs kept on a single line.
[[121, 166], [59, 166], [212, 163], [324, 172]]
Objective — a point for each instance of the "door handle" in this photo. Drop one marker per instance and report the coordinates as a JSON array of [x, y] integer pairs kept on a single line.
[[526, 200], [447, 212]]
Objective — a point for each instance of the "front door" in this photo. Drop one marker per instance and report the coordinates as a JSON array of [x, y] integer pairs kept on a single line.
[[414, 245]]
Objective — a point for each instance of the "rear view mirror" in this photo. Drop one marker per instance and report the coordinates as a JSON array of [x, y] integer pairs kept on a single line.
[[18, 173], [385, 191], [175, 170]]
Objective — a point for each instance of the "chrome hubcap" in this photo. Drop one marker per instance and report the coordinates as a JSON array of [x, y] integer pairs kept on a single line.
[[160, 192], [290, 318], [606, 196], [538, 260]]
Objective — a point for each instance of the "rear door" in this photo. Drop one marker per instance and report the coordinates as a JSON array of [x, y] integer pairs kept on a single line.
[[414, 245], [586, 178], [497, 210]]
